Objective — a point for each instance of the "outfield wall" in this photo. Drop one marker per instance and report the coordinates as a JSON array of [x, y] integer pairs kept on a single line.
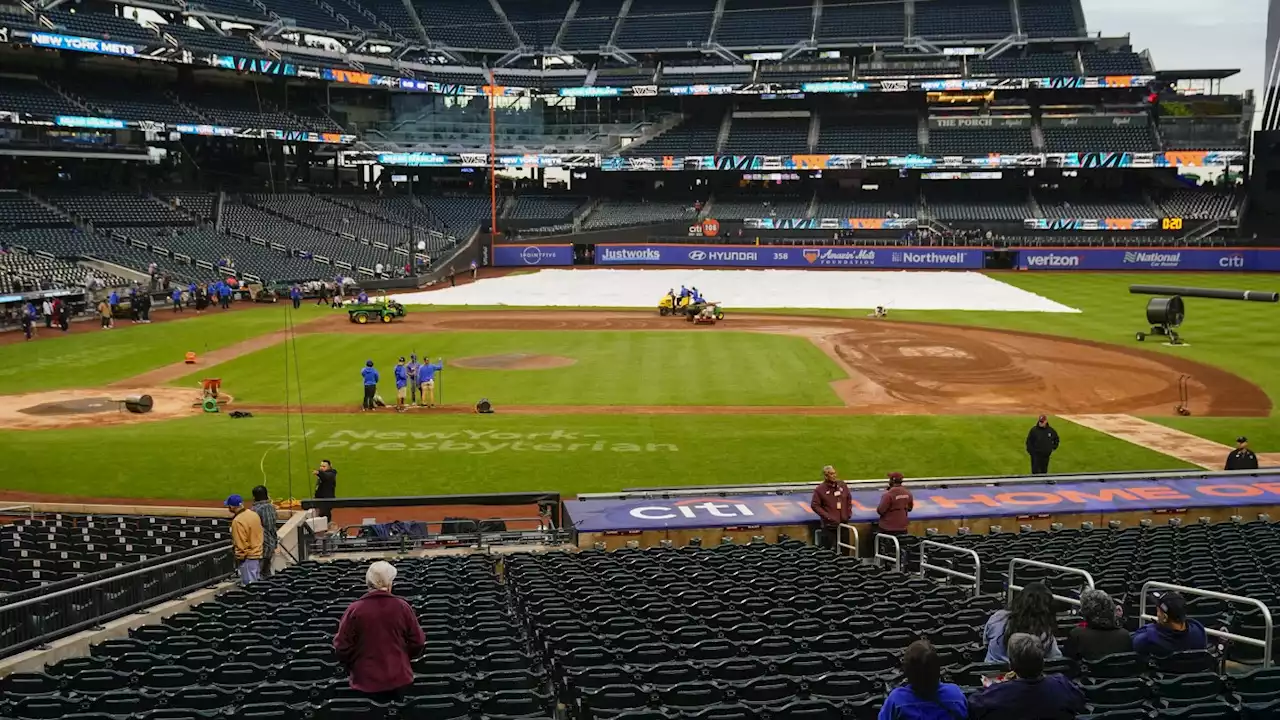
[[898, 258]]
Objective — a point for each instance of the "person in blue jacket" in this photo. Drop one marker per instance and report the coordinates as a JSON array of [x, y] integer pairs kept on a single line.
[[1172, 631], [925, 696], [176, 297], [363, 297], [412, 367], [295, 293], [370, 378], [402, 384], [427, 381], [113, 300]]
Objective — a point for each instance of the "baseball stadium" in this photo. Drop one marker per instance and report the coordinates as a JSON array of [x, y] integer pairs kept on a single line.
[[632, 360]]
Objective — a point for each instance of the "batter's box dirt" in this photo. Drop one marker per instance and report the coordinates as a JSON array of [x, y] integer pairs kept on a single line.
[[513, 361]]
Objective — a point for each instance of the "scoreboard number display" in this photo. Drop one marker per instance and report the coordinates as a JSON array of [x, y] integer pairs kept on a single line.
[[1174, 224]]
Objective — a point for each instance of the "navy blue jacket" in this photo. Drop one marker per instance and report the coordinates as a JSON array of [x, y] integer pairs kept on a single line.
[[1155, 639], [1050, 697]]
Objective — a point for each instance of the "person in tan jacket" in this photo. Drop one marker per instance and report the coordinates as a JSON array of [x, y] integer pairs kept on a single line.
[[246, 539]]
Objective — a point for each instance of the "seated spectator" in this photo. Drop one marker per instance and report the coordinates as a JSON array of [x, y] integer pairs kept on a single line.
[[1172, 631], [1030, 612], [1027, 693], [925, 696], [1100, 634]]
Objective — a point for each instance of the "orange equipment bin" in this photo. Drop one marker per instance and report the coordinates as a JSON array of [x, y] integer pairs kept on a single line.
[[190, 358]]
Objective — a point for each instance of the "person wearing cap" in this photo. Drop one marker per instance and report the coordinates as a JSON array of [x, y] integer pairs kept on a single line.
[[370, 378], [402, 384], [377, 638], [895, 505], [413, 378], [1242, 458], [246, 540], [1042, 440], [1172, 631], [833, 505]]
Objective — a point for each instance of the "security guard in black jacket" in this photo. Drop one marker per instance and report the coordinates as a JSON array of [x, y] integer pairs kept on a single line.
[[1242, 458], [1042, 440]]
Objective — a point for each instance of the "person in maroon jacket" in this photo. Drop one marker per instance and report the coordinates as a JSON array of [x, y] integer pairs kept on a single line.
[[832, 504], [895, 505], [377, 637]]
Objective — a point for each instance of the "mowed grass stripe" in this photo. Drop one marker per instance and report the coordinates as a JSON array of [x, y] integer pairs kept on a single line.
[[718, 367], [209, 457]]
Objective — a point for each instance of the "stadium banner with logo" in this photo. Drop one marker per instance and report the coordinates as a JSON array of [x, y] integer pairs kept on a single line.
[[774, 223], [1149, 259], [820, 256], [930, 503], [532, 255]]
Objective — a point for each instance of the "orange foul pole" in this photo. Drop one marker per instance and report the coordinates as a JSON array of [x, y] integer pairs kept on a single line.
[[493, 157]]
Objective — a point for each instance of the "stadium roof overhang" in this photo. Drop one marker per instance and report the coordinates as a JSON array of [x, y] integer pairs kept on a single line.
[[1171, 75]]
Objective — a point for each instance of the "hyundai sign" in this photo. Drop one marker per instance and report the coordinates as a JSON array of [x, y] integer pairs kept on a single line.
[[1149, 259], [795, 257], [532, 255]]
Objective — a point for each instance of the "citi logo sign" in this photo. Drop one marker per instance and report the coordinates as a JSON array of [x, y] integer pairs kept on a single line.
[[1063, 261], [708, 509], [1231, 261]]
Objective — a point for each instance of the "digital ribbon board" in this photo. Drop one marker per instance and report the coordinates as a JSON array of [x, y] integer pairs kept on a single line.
[[930, 503]]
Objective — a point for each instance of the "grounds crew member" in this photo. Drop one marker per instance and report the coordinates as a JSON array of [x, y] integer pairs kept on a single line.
[[370, 378], [295, 294], [413, 378], [104, 310], [1242, 458], [1042, 440], [402, 384], [246, 540], [833, 505], [176, 297], [427, 381]]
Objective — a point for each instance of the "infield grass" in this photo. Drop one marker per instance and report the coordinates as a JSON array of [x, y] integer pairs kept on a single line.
[[611, 368], [208, 457]]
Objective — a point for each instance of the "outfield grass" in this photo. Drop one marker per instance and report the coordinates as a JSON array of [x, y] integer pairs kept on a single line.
[[208, 457], [88, 356], [612, 368]]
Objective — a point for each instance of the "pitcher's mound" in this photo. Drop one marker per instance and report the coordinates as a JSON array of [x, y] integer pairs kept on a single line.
[[514, 361]]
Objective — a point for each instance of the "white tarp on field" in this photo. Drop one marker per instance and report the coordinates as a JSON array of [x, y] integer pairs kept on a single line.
[[738, 289]]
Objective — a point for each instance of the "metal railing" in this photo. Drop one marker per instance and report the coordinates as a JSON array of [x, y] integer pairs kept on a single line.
[[1047, 566], [435, 534], [895, 558], [30, 620], [18, 510], [975, 578], [1268, 628], [854, 545]]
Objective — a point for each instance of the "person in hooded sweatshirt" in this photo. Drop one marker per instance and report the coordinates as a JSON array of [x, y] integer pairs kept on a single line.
[[1100, 634], [1172, 631], [402, 384], [369, 377]]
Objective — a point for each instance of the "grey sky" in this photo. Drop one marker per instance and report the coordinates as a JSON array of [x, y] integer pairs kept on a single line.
[[1187, 34]]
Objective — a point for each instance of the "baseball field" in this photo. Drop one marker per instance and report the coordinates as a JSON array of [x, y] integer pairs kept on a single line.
[[601, 399]]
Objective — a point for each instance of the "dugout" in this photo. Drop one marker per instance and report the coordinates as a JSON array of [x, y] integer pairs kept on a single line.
[[712, 515]]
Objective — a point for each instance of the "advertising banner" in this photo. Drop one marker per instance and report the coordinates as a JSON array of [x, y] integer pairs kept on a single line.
[[532, 255], [820, 256], [84, 44], [829, 223], [930, 504], [1108, 224], [1149, 259]]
